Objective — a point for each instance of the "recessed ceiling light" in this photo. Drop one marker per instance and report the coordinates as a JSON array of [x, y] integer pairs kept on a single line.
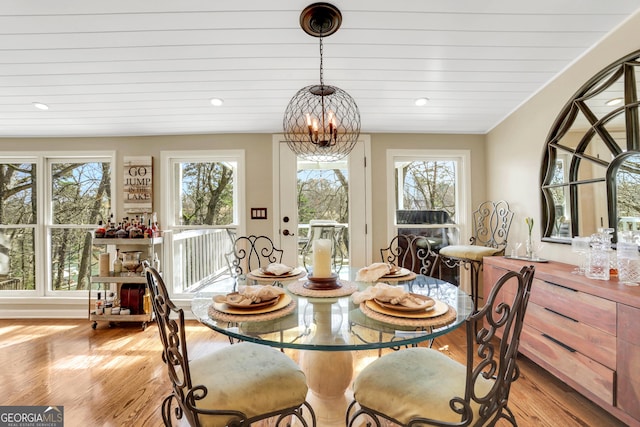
[[614, 101], [216, 102], [421, 101], [40, 105]]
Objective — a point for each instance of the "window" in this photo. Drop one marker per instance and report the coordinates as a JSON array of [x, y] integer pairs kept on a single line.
[[18, 213], [204, 214], [48, 206], [80, 196], [428, 189]]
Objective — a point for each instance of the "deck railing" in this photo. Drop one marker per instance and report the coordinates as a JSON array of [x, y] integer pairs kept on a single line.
[[199, 257], [10, 284]]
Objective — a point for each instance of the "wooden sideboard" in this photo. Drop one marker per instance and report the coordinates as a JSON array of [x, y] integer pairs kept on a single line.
[[585, 332]]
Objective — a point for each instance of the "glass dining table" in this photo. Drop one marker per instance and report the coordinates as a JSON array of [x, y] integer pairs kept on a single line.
[[327, 327]]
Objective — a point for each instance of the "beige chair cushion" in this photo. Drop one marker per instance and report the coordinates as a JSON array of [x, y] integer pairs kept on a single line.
[[415, 382], [471, 252], [250, 378]]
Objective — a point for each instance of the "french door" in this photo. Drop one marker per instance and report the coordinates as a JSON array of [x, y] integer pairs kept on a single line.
[[336, 191]]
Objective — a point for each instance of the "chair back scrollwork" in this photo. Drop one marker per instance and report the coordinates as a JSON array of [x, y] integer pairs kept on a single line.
[[491, 224], [411, 252], [252, 252]]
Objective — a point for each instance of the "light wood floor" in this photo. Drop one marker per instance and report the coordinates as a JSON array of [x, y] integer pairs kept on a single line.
[[115, 376]]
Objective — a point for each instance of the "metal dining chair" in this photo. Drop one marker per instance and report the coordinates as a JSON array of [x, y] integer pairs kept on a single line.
[[491, 224], [234, 386], [422, 386], [411, 252], [252, 252]]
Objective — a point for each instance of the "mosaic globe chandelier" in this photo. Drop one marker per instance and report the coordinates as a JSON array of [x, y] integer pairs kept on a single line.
[[321, 122]]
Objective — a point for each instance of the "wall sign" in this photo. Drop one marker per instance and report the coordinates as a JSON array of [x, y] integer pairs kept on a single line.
[[138, 184]]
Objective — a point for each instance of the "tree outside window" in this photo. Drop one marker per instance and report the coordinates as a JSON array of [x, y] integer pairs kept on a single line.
[[205, 193]]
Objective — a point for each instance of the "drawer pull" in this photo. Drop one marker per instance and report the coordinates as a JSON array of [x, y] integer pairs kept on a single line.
[[561, 344], [560, 286], [561, 315]]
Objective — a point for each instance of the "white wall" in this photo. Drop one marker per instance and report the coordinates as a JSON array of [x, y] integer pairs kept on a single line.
[[515, 146]]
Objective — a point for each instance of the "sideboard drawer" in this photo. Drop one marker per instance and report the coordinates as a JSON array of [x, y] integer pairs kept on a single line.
[[591, 342], [588, 309], [570, 366]]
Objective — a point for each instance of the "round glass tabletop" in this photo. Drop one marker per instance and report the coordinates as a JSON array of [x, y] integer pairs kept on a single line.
[[337, 324]]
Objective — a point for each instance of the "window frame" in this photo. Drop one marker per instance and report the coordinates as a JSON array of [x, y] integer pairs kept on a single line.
[[48, 225], [38, 239], [168, 160]]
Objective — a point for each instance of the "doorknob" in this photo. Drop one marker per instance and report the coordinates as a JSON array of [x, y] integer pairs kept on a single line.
[[286, 232]]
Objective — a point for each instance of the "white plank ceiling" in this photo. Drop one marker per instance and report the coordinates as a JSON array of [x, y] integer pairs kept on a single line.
[[149, 67]]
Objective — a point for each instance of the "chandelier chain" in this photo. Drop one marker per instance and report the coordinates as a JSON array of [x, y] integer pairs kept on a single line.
[[321, 68]]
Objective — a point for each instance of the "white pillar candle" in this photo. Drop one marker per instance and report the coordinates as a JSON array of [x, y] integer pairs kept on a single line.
[[322, 258]]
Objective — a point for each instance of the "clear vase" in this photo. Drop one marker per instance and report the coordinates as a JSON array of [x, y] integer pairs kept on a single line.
[[529, 248]]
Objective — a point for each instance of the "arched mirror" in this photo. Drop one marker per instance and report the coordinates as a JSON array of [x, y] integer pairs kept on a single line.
[[590, 172]]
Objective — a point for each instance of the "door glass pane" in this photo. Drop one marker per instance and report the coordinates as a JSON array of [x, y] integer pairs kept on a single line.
[[323, 197]]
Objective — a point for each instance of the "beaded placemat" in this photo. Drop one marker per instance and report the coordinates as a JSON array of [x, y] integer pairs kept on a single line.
[[442, 320], [346, 289], [226, 317]]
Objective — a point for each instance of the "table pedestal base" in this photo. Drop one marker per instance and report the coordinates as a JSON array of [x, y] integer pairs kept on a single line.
[[329, 375]]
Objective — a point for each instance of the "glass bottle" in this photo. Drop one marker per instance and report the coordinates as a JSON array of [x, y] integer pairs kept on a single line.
[[134, 231], [117, 264], [111, 230], [100, 231], [121, 233]]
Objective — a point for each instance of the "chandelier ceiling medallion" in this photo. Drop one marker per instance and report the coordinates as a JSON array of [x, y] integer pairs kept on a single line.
[[321, 122]]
